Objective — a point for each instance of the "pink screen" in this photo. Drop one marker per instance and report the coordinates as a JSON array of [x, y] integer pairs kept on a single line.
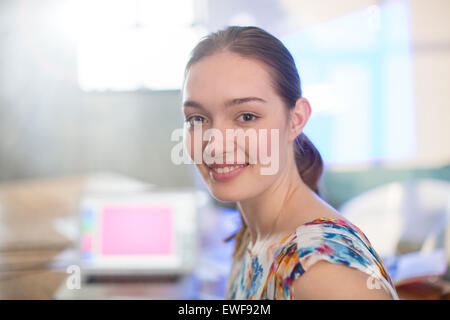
[[137, 230]]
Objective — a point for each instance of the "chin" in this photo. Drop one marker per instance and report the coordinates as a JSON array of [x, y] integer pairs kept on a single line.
[[240, 188], [227, 194]]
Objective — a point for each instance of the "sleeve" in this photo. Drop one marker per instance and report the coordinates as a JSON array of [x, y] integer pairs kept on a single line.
[[340, 245]]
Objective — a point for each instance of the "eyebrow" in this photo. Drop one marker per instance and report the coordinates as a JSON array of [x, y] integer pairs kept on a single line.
[[229, 103]]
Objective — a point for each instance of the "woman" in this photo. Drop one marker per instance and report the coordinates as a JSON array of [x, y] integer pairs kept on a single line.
[[292, 244]]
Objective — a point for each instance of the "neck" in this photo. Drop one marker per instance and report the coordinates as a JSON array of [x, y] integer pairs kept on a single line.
[[265, 214]]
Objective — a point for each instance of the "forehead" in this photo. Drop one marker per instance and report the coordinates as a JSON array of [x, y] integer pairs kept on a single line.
[[227, 75]]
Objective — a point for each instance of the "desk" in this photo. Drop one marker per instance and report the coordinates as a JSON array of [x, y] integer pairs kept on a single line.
[[27, 238], [28, 241]]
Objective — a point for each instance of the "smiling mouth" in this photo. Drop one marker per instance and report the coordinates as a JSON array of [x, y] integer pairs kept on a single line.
[[227, 168]]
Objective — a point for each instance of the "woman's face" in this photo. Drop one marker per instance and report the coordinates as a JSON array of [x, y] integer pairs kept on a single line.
[[227, 91]]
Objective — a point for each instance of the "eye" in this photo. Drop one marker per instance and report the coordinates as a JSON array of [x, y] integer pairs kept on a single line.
[[245, 117], [195, 120]]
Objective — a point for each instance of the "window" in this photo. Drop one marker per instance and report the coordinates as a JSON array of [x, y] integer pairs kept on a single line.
[[357, 74], [128, 45]]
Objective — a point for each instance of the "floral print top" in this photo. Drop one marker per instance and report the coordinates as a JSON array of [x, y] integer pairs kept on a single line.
[[268, 271]]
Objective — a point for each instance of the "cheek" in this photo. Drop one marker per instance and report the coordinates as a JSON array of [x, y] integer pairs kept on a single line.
[[194, 144], [271, 143], [188, 143], [272, 155]]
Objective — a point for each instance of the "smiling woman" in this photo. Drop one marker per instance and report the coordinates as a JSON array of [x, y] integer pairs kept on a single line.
[[241, 83]]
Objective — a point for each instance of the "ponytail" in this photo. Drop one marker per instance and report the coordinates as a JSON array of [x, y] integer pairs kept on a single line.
[[309, 162]]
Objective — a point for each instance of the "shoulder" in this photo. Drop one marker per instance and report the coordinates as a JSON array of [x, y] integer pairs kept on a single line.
[[336, 281], [336, 261], [335, 240]]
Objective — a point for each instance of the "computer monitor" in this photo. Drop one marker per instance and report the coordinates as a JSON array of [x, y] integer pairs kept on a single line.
[[142, 234]]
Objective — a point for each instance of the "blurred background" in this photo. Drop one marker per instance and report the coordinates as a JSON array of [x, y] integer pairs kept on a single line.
[[90, 95]]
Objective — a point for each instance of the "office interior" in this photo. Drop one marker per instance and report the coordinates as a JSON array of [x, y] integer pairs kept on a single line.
[[90, 95]]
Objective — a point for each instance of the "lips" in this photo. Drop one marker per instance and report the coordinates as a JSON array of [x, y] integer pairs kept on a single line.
[[225, 172], [223, 165]]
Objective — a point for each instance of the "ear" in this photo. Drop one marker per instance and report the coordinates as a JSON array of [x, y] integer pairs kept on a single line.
[[299, 116]]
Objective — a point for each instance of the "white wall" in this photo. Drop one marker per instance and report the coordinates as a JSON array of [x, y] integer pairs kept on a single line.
[[431, 41]]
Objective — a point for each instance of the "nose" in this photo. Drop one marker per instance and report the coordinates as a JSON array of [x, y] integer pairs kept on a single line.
[[218, 148]]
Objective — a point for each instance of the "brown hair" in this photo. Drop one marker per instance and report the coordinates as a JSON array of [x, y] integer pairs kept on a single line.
[[256, 43]]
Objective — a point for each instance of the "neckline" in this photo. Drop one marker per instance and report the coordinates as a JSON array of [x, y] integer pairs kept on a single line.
[[281, 239]]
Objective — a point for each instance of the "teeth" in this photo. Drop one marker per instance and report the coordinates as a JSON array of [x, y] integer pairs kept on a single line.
[[227, 169]]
